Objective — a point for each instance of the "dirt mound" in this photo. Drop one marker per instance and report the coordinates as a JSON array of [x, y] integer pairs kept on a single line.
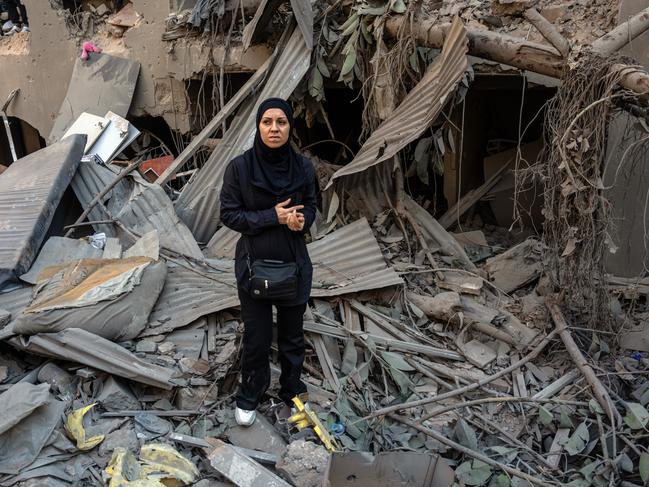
[[14, 45]]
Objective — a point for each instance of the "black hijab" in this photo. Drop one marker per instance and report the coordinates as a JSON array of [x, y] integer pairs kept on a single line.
[[278, 170]]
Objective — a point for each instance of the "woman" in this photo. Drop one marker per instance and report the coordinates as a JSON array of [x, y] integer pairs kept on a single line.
[[268, 196]]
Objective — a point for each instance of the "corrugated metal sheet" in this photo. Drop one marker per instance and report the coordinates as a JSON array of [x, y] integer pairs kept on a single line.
[[94, 351], [345, 261], [223, 244], [139, 205], [188, 295], [419, 108], [349, 260], [198, 204], [30, 191]]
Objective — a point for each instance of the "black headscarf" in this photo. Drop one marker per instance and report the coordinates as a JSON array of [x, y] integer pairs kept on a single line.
[[276, 170]]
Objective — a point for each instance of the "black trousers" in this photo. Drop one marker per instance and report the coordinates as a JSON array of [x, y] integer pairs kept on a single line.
[[12, 9], [257, 337]]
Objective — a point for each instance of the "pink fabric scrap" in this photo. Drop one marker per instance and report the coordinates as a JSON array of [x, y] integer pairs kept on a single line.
[[87, 48]]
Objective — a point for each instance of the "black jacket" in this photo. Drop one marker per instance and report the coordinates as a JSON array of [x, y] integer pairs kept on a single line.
[[250, 210]]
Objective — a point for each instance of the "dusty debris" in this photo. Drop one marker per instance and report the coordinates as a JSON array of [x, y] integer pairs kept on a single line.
[[424, 347], [304, 463]]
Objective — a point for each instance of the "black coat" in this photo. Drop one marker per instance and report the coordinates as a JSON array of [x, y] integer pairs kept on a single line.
[[250, 210]]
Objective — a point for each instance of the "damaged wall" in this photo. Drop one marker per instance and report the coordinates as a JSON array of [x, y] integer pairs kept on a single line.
[[40, 64]]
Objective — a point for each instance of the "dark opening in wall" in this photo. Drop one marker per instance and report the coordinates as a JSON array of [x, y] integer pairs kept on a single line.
[[497, 110], [344, 109], [204, 95], [26, 140]]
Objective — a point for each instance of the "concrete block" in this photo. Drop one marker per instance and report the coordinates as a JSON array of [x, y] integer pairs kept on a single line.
[[116, 396], [262, 436]]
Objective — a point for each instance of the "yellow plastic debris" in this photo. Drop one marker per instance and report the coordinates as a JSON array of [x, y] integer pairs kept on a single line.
[[74, 427], [162, 466], [305, 418], [164, 462]]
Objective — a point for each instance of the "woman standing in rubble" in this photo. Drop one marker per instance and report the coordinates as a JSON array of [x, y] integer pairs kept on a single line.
[[268, 196]]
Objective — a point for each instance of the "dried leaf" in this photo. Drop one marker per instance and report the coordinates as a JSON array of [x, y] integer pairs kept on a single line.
[[636, 416], [571, 245], [333, 206], [595, 407], [564, 420], [545, 416], [578, 441], [348, 64], [398, 6], [350, 357], [322, 67], [423, 147], [466, 435], [501, 480], [316, 84], [375, 11], [644, 468], [397, 361], [625, 463], [473, 472], [350, 24]]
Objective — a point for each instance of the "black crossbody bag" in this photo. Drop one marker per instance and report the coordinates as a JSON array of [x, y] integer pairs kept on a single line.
[[272, 279]]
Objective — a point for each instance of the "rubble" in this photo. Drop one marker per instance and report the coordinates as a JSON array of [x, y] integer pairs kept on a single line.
[[440, 350], [304, 463]]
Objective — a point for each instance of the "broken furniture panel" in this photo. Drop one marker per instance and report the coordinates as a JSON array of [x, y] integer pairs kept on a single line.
[[30, 191]]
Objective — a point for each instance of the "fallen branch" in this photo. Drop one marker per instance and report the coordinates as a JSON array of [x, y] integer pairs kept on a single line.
[[100, 196], [515, 52], [599, 391], [485, 400], [622, 34], [462, 390], [548, 31], [467, 451]]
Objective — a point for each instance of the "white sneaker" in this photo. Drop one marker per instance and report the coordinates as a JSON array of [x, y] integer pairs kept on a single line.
[[14, 30], [244, 418], [8, 25], [25, 29]]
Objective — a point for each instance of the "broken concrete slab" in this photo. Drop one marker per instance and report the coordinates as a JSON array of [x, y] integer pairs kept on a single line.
[[304, 463], [240, 469], [478, 353], [260, 436], [113, 77], [115, 395]]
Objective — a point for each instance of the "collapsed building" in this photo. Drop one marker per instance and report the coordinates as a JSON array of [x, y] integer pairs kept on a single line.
[[482, 211]]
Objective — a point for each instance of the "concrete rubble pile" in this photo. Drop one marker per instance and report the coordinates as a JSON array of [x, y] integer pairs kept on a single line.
[[439, 351]]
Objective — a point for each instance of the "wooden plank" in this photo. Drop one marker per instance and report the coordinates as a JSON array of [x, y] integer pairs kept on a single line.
[[554, 456], [325, 362], [557, 385]]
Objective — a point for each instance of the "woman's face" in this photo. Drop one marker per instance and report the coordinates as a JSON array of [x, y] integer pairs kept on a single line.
[[274, 128]]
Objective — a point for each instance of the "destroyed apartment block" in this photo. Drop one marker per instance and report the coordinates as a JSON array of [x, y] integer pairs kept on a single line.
[[479, 307]]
